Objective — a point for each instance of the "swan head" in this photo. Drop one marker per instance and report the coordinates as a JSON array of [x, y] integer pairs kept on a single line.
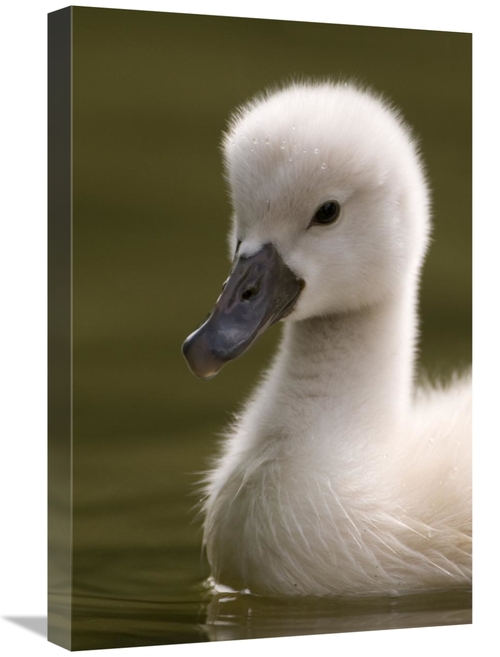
[[330, 213]]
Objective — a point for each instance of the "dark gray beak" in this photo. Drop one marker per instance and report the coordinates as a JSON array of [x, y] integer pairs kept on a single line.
[[260, 291]]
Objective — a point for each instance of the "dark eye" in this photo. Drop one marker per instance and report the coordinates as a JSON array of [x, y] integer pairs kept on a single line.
[[326, 214]]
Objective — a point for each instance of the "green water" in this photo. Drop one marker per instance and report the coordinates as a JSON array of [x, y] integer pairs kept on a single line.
[[151, 94]]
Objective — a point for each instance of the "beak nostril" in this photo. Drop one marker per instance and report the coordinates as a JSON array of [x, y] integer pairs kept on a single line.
[[250, 293]]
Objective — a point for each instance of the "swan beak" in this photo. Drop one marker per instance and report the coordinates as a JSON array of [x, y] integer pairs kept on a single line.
[[260, 291]]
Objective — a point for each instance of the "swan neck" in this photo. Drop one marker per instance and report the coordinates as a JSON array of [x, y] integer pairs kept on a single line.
[[361, 364]]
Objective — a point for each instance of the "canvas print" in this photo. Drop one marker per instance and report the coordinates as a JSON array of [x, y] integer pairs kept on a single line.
[[259, 328]]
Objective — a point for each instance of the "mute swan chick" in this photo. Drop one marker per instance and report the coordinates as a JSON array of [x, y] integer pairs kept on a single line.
[[339, 477]]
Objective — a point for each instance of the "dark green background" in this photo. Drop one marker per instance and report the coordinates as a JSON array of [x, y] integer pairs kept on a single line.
[[151, 95]]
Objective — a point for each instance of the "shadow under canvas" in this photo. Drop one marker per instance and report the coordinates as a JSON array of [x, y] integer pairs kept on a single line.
[[36, 624]]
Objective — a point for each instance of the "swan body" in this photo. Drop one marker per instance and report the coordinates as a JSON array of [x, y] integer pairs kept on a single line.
[[340, 476]]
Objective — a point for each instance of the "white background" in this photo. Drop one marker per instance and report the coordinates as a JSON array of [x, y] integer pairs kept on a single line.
[[23, 319]]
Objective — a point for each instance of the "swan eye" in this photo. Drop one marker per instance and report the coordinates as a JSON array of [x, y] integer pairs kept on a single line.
[[326, 214]]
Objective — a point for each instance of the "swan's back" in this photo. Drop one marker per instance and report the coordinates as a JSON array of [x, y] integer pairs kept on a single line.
[[438, 451]]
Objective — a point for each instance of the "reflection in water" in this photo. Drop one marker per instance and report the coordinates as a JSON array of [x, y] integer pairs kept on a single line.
[[245, 616]]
